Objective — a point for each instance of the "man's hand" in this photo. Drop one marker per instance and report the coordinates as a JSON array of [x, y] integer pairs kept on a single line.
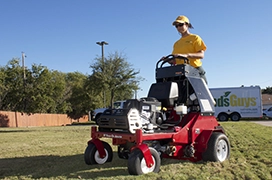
[[170, 62]]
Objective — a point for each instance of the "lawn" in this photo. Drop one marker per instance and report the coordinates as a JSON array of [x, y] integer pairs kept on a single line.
[[57, 153]]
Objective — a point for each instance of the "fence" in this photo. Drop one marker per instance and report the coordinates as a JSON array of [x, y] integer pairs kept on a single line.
[[17, 119]]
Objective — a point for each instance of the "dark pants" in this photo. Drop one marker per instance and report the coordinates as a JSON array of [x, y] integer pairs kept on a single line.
[[202, 73]]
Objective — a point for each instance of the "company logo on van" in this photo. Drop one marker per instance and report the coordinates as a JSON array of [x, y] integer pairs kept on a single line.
[[232, 100]]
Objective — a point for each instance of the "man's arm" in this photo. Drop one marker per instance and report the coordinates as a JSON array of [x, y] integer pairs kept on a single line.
[[197, 55]]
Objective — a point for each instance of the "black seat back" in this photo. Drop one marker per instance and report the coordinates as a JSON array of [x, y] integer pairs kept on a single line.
[[165, 92]]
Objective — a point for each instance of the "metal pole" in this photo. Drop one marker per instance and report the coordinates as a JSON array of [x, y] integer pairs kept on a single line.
[[102, 46], [24, 78], [104, 93], [102, 43], [23, 64]]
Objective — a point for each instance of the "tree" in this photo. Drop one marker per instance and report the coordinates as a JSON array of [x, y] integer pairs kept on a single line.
[[45, 91], [115, 75], [42, 91], [81, 98], [268, 90], [13, 86], [3, 88]]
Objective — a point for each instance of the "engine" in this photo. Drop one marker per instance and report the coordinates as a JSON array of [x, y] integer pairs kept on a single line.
[[145, 114], [148, 114]]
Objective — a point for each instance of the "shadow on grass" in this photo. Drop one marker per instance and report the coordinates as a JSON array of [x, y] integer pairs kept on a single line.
[[60, 166], [66, 167], [6, 130]]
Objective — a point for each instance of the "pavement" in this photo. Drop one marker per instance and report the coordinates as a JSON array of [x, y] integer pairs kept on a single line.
[[265, 123]]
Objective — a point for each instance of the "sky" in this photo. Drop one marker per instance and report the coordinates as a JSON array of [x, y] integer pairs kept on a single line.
[[62, 35]]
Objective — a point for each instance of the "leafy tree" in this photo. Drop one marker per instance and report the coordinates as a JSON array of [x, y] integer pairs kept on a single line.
[[81, 100], [13, 86], [38, 88], [60, 92], [93, 94], [42, 91], [45, 91], [115, 75], [3, 88], [268, 90]]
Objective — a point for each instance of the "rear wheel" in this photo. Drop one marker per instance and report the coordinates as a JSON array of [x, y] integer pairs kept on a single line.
[[97, 117], [137, 164], [91, 155], [235, 116], [223, 117], [218, 148]]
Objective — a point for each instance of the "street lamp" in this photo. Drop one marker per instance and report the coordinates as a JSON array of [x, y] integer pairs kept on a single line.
[[102, 43], [23, 63]]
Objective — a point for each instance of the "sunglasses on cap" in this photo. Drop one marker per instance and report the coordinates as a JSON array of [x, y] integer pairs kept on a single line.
[[179, 25]]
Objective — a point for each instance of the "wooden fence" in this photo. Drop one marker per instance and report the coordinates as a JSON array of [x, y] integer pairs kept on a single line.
[[17, 119]]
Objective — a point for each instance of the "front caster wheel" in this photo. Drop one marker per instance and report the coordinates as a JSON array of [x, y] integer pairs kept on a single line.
[[137, 164], [91, 155], [218, 148]]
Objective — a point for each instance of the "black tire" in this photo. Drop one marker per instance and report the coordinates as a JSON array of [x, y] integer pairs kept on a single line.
[[91, 155], [235, 116], [218, 148], [97, 117], [137, 164], [223, 117]]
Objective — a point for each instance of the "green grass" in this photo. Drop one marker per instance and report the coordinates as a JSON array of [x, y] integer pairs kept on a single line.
[[57, 153]]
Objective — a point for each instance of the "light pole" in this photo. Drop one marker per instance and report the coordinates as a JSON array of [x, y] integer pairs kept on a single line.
[[102, 43], [23, 64]]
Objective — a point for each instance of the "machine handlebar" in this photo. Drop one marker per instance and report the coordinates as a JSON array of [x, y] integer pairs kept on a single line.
[[170, 58]]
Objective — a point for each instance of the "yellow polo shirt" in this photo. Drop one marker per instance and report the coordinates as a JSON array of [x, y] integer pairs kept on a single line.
[[189, 44]]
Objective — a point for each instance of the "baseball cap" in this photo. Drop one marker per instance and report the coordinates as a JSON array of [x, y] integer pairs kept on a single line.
[[181, 19]]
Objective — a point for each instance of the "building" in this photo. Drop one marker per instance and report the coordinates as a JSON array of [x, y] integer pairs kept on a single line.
[[267, 100]]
